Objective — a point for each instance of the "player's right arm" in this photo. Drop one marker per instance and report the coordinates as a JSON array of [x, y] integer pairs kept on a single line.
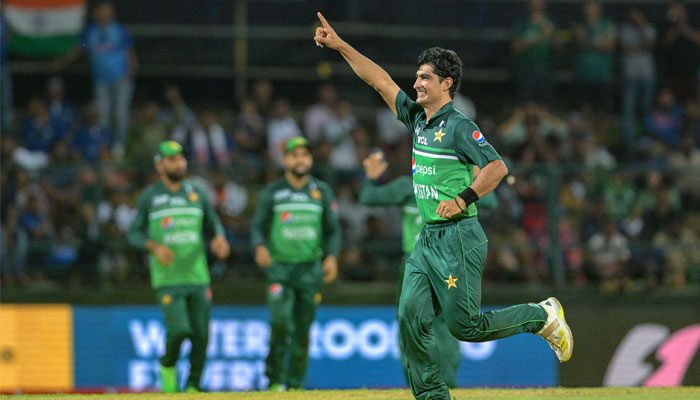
[[367, 70], [393, 193], [138, 237], [259, 226]]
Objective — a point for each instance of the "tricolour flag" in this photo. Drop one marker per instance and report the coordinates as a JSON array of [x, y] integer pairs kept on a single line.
[[42, 28]]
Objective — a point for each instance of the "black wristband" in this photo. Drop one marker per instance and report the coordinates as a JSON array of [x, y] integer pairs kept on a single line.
[[458, 206], [469, 196]]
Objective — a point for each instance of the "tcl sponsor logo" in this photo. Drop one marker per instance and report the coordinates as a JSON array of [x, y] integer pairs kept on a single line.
[[674, 351]]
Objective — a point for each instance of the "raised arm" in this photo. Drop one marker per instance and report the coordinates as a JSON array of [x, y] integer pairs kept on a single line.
[[367, 70]]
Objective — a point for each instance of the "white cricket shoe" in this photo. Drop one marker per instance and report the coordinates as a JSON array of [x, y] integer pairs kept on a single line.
[[556, 331]]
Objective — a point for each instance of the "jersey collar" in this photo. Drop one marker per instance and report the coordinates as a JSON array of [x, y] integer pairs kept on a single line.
[[441, 112]]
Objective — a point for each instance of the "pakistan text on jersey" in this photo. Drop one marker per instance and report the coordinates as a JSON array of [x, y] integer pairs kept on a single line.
[[166, 198], [299, 233], [182, 237], [425, 192], [287, 193]]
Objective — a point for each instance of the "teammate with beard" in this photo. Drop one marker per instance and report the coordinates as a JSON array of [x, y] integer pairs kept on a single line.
[[171, 216], [295, 227]]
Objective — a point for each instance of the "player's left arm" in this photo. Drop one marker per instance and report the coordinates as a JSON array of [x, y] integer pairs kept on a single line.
[[331, 234], [212, 224]]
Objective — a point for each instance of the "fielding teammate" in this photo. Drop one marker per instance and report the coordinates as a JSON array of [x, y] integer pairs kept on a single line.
[[294, 227], [399, 192], [171, 216], [443, 272]]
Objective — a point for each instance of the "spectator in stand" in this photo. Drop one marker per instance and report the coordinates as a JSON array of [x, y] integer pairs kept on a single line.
[[280, 128], [37, 137], [147, 133], [262, 96], [619, 196], [320, 113], [61, 111], [531, 123], [680, 247], [533, 40], [249, 130], [593, 69], [93, 142], [113, 61], [177, 113], [680, 52], [654, 193], [685, 165], [340, 123], [35, 224], [665, 122], [609, 251], [207, 143], [637, 38]]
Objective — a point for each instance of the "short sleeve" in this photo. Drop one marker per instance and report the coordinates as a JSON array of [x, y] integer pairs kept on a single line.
[[406, 110], [472, 146]]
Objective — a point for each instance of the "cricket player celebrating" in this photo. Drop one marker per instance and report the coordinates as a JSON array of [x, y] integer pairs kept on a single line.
[[399, 192], [171, 216], [443, 273], [295, 226]]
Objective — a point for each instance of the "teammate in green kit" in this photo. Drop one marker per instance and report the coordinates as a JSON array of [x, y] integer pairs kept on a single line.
[[399, 192], [443, 273], [295, 226], [172, 216]]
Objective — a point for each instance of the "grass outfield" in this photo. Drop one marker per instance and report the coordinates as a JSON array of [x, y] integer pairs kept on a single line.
[[682, 393]]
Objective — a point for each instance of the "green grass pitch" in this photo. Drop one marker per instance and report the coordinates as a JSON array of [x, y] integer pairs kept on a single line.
[[680, 393]]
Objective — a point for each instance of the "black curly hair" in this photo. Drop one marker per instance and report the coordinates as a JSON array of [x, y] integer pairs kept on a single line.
[[445, 63]]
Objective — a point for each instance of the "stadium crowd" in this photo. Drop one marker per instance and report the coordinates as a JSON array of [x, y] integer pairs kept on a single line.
[[609, 193]]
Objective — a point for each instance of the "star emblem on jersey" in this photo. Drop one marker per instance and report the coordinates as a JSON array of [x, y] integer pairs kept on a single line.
[[316, 194], [193, 197], [438, 135], [451, 282]]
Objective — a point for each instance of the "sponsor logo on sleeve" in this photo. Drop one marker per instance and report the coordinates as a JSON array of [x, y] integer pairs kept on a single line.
[[478, 137]]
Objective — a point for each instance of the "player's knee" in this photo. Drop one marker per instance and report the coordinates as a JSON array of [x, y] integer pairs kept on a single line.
[[466, 330], [279, 321], [411, 315], [180, 333]]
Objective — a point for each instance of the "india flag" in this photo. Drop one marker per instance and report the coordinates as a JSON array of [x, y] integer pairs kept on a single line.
[[42, 28]]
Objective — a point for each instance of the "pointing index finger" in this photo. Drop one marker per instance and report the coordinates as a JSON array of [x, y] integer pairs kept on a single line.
[[323, 20]]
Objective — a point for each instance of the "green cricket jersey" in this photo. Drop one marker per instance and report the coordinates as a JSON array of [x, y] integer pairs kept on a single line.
[[445, 150], [399, 192], [297, 225], [177, 220]]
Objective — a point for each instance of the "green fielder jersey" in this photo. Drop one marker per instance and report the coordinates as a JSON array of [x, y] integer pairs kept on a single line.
[[399, 192], [178, 221], [297, 225], [445, 151]]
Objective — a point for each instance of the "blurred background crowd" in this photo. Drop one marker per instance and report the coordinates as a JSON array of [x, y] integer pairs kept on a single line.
[[595, 106]]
